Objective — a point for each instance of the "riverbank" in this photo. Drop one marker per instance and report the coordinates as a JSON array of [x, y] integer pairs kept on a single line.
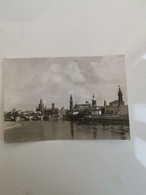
[[11, 124]]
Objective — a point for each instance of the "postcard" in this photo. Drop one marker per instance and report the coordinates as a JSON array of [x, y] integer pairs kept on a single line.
[[65, 98]]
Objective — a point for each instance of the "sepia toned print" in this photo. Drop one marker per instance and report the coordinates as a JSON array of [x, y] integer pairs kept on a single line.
[[65, 98]]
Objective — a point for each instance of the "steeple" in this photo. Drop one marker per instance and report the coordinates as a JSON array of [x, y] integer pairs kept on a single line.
[[93, 101], [71, 102], [71, 97], [120, 97], [104, 106], [53, 106]]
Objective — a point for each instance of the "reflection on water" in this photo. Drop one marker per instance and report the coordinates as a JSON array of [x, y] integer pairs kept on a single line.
[[72, 129], [63, 130]]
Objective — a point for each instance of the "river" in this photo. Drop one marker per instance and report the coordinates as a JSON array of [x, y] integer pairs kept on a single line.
[[23, 131]]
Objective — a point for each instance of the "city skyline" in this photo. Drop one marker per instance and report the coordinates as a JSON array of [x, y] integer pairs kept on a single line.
[[26, 81]]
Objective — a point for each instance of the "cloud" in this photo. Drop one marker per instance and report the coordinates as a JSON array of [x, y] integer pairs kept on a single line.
[[53, 79], [73, 73], [109, 70]]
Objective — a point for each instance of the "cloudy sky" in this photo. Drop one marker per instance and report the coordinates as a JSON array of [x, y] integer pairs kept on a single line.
[[54, 79]]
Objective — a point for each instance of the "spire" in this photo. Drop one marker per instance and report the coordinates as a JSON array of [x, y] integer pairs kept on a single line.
[[120, 97], [53, 105], [71, 97], [71, 102], [93, 101], [104, 106]]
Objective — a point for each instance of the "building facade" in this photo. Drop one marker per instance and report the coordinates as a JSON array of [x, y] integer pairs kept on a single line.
[[90, 108], [41, 106], [116, 107]]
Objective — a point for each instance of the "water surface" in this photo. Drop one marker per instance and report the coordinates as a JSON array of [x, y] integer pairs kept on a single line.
[[63, 130]]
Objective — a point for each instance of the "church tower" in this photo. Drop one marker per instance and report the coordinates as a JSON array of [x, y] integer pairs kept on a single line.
[[71, 103], [120, 97], [104, 106], [93, 101], [41, 106], [53, 108]]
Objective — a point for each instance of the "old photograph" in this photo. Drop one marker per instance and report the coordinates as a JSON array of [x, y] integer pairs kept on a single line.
[[65, 98]]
